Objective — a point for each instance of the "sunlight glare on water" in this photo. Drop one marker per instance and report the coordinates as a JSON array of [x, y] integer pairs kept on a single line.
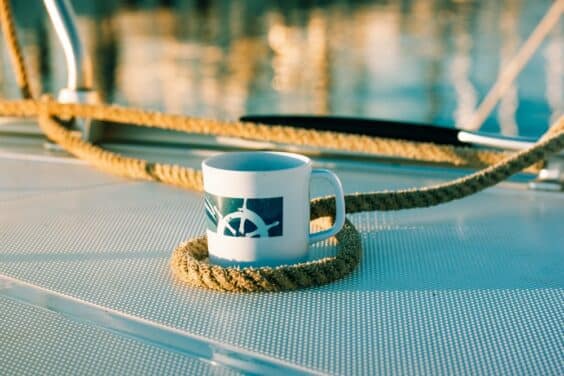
[[413, 60]]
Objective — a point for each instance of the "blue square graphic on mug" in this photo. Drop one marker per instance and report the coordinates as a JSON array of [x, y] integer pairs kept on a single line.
[[244, 217]]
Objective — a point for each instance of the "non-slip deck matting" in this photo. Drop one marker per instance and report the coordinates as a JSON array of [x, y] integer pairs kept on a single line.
[[470, 287]]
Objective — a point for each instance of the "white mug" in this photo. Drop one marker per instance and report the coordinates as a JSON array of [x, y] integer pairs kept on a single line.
[[257, 208]]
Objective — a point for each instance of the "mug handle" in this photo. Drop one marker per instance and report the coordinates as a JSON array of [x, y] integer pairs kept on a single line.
[[339, 207]]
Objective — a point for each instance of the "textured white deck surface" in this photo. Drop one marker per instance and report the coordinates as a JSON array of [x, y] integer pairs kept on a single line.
[[470, 287]]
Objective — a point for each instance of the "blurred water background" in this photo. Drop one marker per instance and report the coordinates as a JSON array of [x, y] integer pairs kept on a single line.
[[428, 61]]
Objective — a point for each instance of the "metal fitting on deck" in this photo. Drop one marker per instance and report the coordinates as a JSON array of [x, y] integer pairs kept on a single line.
[[550, 178]]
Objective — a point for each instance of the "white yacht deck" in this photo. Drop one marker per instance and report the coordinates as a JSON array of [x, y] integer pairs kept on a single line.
[[470, 287]]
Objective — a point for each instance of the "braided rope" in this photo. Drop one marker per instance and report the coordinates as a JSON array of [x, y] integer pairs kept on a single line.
[[189, 264], [424, 152], [188, 261], [9, 30]]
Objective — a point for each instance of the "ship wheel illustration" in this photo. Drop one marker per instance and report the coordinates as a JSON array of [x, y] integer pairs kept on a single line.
[[234, 224]]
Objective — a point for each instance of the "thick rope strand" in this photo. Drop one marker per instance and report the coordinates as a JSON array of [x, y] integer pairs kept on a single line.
[[188, 261], [418, 197], [551, 143], [425, 152], [16, 55]]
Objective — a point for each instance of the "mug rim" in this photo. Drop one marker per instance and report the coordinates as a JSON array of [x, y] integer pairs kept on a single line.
[[304, 161]]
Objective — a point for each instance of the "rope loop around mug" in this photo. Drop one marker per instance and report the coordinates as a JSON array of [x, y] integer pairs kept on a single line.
[[188, 262]]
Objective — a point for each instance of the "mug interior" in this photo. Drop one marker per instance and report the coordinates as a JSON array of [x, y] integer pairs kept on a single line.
[[256, 161]]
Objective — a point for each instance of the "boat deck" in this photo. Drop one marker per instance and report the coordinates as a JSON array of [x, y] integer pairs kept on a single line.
[[470, 287]]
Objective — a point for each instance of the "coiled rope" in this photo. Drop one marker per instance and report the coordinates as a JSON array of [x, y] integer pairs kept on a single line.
[[188, 260]]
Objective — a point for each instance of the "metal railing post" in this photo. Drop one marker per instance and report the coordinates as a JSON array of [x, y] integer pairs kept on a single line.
[[79, 87]]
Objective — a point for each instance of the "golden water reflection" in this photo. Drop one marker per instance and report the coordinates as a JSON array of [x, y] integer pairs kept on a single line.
[[418, 60]]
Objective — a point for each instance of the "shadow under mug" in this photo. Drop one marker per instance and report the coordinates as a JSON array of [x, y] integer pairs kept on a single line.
[[258, 210]]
